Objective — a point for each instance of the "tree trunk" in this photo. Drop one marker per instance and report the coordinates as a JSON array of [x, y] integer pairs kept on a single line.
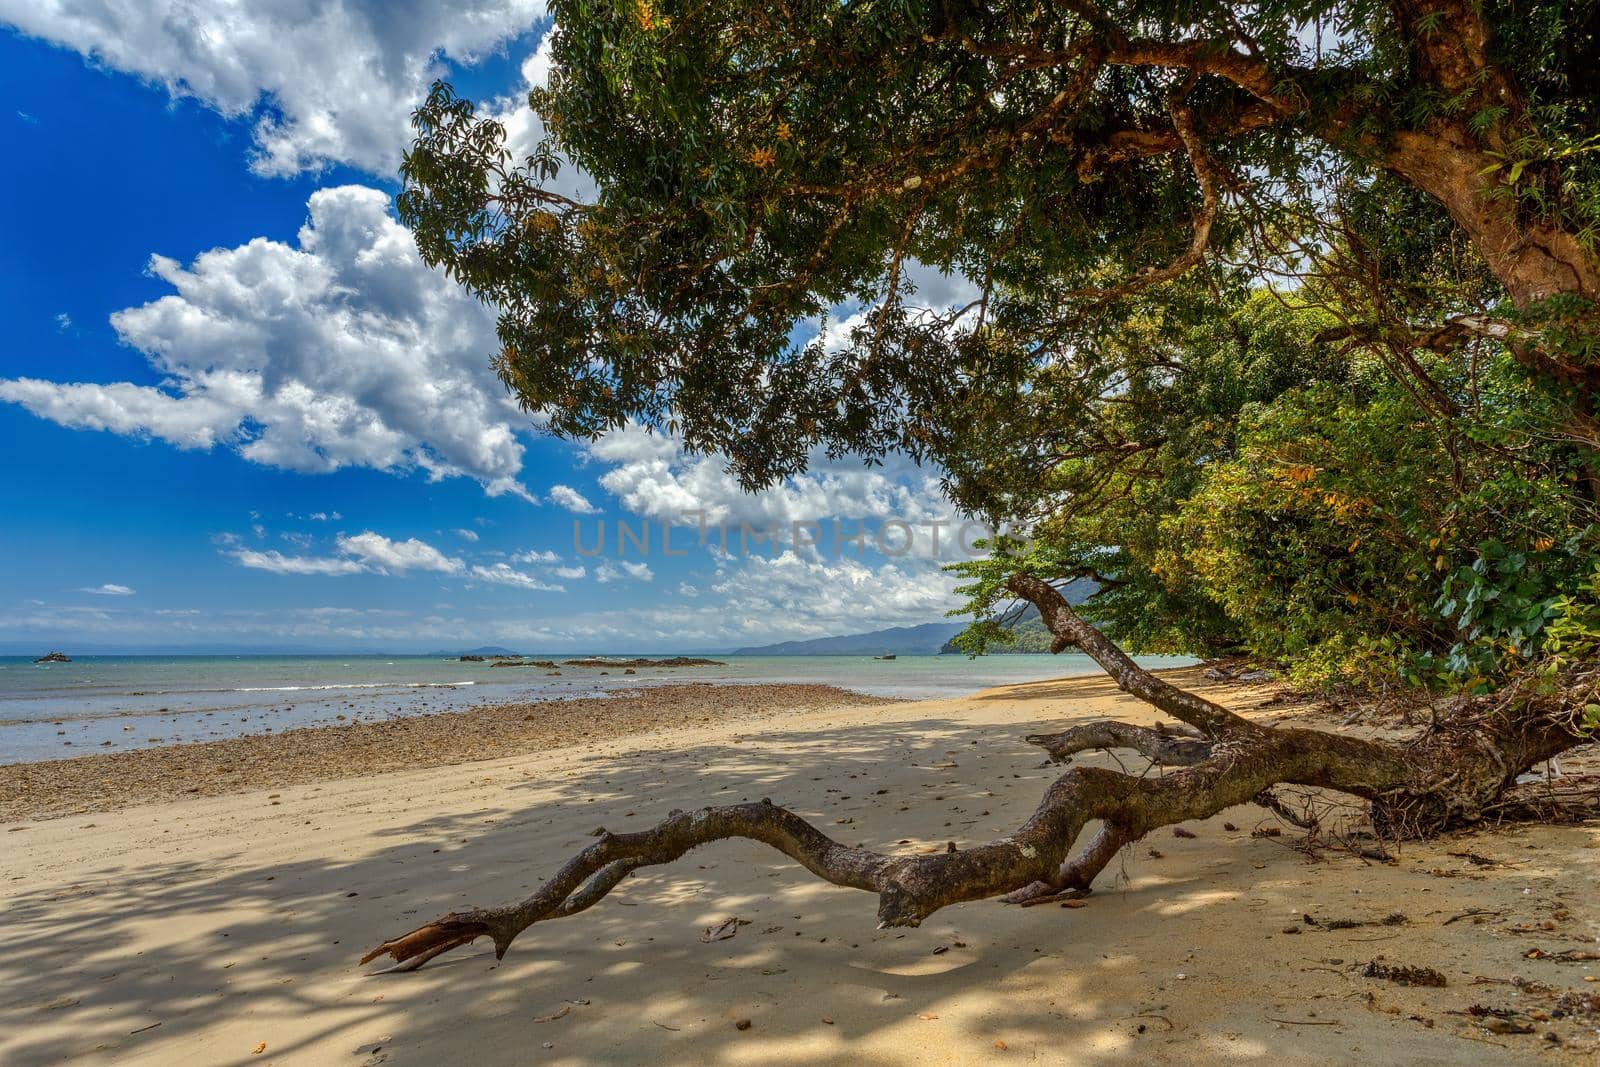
[[1468, 171], [1534, 260], [1451, 50], [1448, 776]]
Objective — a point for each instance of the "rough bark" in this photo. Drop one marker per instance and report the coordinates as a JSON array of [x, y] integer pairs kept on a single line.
[[1450, 49], [1456, 774], [1449, 44], [1445, 778], [1210, 718], [1160, 746], [1533, 260]]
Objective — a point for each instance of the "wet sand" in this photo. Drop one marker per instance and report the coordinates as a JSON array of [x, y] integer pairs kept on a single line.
[[320, 753]]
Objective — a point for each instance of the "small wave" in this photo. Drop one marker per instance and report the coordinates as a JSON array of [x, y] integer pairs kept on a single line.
[[305, 688], [347, 685]]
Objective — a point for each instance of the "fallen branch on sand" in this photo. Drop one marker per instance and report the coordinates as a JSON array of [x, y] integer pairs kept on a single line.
[[1455, 774]]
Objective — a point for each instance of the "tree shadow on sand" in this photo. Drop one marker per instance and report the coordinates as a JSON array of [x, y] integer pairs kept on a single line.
[[229, 951]]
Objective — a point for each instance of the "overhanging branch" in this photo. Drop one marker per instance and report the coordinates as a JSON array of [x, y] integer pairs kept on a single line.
[[1209, 177], [1211, 719]]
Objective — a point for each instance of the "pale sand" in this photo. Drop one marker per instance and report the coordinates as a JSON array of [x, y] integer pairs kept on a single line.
[[191, 931]]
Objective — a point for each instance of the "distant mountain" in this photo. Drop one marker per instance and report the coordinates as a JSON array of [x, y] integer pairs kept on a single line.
[[929, 639], [924, 640], [1029, 631], [484, 650]]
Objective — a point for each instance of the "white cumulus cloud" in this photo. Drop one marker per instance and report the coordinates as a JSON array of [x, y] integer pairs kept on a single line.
[[381, 554], [330, 81], [108, 589], [571, 499], [652, 476], [623, 570], [278, 563], [363, 553], [344, 350], [812, 596]]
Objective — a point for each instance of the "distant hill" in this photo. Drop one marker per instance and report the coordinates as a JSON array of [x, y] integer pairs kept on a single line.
[[1029, 630], [485, 650], [924, 640]]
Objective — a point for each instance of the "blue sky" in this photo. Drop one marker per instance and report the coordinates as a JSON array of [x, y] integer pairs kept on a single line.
[[236, 409]]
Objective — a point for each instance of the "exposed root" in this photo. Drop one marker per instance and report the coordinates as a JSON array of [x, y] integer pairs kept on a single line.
[[1305, 819], [1038, 892], [1030, 896], [1575, 798], [1080, 872]]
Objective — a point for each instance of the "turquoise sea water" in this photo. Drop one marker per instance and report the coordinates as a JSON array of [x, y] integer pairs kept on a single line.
[[107, 703]]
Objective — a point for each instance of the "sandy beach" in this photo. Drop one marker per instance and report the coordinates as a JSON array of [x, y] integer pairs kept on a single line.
[[205, 929]]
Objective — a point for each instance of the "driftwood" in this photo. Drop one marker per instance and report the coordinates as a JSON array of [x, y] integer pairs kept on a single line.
[[1462, 771]]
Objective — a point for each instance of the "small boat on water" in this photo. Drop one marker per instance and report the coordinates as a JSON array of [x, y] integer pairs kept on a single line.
[[54, 657], [889, 656]]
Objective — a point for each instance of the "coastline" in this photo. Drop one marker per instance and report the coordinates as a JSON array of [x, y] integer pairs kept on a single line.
[[112, 780], [202, 928], [97, 705]]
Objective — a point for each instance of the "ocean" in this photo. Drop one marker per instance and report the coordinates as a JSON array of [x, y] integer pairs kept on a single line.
[[111, 703]]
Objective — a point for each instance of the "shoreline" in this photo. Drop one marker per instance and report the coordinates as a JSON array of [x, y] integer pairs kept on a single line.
[[127, 706], [100, 782]]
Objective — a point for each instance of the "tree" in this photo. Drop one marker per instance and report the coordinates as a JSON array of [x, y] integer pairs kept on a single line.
[[1256, 492], [1117, 183]]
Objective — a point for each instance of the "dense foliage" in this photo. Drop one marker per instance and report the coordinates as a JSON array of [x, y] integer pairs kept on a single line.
[[1319, 513], [1276, 320]]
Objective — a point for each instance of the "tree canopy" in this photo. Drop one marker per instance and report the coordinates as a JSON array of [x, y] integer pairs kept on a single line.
[[1276, 318]]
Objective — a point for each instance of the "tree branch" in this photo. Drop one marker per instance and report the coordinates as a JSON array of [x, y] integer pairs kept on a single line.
[[911, 888], [1120, 145], [1211, 719], [1158, 745], [1415, 789], [1208, 177], [1250, 73]]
